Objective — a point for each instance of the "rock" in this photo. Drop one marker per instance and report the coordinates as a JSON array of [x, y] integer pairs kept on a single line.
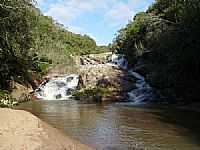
[[21, 92], [115, 96], [104, 82], [101, 80], [107, 75], [95, 73]]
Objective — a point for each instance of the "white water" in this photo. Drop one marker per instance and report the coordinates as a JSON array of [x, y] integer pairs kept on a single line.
[[58, 88], [143, 92], [119, 60]]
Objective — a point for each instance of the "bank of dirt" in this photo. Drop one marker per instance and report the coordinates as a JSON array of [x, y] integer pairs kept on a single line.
[[20, 130]]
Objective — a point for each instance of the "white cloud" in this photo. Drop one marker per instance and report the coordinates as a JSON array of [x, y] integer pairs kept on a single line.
[[67, 10], [119, 14], [41, 2], [76, 29], [61, 13], [116, 13], [114, 10], [80, 30]]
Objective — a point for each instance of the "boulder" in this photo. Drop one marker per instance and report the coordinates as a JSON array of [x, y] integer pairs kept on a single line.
[[21, 92], [107, 76], [104, 82]]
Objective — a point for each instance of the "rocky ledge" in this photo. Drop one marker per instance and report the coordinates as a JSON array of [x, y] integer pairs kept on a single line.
[[102, 81], [98, 80]]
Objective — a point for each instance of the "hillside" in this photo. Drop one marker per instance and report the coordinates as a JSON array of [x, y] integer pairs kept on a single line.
[[31, 43], [163, 44]]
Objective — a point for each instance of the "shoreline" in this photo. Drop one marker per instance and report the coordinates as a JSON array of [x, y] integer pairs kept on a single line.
[[22, 130]]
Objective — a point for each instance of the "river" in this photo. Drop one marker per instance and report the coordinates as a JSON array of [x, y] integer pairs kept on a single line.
[[130, 125], [121, 126], [135, 124]]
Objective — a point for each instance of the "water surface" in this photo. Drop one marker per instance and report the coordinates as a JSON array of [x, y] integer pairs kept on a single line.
[[121, 126]]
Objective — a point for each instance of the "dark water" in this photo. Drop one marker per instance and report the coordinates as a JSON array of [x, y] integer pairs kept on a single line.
[[121, 126]]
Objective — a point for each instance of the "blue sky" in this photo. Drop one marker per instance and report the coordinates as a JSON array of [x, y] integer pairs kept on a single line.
[[100, 19]]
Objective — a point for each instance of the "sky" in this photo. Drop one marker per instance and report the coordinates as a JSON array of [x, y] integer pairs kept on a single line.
[[100, 19]]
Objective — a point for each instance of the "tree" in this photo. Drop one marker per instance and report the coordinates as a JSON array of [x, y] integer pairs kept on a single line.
[[166, 40], [16, 23]]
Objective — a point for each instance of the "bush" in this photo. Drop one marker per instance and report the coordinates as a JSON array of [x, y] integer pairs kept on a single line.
[[96, 93]]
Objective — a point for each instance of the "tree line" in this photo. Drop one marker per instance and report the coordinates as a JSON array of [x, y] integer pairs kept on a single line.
[[30, 42], [163, 44]]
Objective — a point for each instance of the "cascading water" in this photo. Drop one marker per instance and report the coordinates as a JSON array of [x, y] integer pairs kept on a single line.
[[58, 88], [61, 87], [143, 91], [119, 60]]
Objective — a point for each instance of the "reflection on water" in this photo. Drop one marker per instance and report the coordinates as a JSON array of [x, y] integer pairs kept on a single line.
[[118, 126]]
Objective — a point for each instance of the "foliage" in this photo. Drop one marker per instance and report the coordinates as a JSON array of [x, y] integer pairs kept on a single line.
[[31, 42], [166, 39], [16, 40], [52, 40], [101, 49], [6, 100], [43, 67], [96, 93], [130, 39], [3, 93]]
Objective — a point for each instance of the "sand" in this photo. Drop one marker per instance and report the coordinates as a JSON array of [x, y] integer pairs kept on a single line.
[[20, 130]]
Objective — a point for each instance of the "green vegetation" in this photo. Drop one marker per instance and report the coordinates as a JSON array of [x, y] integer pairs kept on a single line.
[[95, 93], [6, 100], [16, 39], [30, 43], [165, 40], [102, 49]]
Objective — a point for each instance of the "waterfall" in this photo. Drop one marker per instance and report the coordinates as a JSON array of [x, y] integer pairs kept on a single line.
[[143, 91], [119, 60], [58, 88], [61, 87]]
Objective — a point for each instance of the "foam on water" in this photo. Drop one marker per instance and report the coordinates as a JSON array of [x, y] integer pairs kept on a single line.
[[61, 87], [119, 60], [58, 88], [143, 91]]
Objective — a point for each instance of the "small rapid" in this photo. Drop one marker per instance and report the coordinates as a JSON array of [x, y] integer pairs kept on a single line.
[[143, 91], [58, 88], [119, 125], [61, 87]]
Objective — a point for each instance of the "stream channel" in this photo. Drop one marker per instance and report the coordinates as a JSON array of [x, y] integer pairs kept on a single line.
[[130, 125]]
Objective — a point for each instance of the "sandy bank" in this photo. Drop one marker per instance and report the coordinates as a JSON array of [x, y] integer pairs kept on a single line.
[[20, 130]]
